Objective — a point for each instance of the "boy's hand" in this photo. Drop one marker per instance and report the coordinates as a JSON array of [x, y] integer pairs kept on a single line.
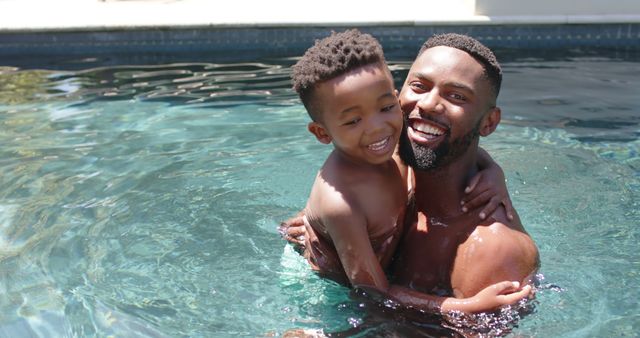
[[487, 187], [490, 298]]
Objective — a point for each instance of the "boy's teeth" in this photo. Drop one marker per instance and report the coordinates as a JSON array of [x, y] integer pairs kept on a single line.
[[379, 145]]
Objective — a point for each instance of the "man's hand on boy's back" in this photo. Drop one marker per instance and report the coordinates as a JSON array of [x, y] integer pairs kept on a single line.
[[293, 231]]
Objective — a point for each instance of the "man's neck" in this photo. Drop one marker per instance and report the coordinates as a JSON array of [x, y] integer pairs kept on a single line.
[[439, 191]]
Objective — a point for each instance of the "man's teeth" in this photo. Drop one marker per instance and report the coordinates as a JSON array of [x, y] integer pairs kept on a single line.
[[379, 145], [427, 128]]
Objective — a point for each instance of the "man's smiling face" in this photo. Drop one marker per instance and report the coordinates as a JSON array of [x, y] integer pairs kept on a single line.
[[444, 99]]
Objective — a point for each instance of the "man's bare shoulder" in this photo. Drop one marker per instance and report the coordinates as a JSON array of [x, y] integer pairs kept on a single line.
[[502, 236], [496, 250]]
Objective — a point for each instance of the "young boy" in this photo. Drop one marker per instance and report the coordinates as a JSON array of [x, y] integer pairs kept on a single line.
[[358, 199]]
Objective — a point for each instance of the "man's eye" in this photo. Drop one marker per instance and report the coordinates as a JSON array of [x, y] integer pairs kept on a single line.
[[418, 86], [458, 97]]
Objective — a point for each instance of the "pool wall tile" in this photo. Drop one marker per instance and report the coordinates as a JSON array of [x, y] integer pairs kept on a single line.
[[229, 42]]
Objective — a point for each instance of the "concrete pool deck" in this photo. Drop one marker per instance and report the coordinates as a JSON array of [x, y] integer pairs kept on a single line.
[[45, 33], [100, 15]]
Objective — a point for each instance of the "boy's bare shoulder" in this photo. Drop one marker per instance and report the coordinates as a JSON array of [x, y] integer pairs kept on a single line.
[[342, 190]]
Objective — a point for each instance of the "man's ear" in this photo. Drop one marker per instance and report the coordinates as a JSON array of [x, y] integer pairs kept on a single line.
[[490, 121], [320, 132]]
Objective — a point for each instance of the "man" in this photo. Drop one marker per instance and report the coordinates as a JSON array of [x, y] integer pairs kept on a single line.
[[449, 100]]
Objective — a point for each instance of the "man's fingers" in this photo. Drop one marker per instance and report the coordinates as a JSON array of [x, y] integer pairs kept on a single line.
[[295, 231], [292, 222]]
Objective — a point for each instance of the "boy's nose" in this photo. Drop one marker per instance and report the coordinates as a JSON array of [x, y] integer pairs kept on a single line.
[[376, 124]]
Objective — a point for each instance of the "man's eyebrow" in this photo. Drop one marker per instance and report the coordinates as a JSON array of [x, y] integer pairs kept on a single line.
[[459, 85], [420, 75]]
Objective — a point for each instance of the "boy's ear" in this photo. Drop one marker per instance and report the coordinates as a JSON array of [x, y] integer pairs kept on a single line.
[[490, 121], [320, 132]]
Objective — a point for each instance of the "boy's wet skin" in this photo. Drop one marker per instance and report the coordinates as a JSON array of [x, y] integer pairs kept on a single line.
[[355, 212], [360, 182]]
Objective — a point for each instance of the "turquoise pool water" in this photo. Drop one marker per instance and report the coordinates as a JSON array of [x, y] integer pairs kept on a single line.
[[143, 200]]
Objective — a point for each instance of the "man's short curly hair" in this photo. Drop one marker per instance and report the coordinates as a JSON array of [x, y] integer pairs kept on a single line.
[[330, 57], [474, 48]]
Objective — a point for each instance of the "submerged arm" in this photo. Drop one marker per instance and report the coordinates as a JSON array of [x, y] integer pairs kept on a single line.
[[363, 270]]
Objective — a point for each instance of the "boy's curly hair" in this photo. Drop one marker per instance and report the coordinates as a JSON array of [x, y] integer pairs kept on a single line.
[[474, 48], [330, 57]]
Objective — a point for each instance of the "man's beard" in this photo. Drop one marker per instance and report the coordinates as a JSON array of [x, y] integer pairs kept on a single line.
[[423, 158]]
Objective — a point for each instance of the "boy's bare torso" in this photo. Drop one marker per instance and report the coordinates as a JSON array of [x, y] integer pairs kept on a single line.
[[378, 194]]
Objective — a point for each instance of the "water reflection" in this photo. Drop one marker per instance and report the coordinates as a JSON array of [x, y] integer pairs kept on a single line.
[[145, 198]]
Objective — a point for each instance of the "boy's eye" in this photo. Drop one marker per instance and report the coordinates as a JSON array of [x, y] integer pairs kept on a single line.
[[352, 122], [388, 108]]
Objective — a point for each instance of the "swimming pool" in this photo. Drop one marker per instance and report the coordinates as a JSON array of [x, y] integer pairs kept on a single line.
[[143, 200]]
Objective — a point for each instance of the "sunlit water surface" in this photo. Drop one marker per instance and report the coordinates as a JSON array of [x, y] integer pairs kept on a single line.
[[143, 200]]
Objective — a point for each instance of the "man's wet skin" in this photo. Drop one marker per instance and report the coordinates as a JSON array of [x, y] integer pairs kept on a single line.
[[447, 103]]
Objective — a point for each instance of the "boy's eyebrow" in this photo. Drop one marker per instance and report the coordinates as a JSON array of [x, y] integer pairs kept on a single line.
[[385, 95], [348, 110]]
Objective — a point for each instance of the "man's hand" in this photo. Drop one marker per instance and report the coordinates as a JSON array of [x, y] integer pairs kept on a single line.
[[293, 230]]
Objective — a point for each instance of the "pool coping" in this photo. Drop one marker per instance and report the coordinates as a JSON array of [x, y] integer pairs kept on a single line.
[[100, 15], [444, 21]]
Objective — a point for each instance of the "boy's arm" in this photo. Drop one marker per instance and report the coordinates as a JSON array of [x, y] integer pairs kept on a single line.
[[489, 298], [348, 231], [488, 187], [347, 228]]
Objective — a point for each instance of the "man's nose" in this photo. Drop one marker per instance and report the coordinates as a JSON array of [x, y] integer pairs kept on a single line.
[[430, 102]]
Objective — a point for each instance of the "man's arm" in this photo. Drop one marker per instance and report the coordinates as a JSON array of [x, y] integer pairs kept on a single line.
[[496, 250]]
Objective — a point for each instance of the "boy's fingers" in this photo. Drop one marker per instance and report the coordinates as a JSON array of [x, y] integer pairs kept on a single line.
[[516, 296], [476, 200], [472, 184], [489, 208], [506, 286], [508, 207]]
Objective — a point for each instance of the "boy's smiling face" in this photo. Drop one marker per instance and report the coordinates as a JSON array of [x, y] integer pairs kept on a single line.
[[359, 112]]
